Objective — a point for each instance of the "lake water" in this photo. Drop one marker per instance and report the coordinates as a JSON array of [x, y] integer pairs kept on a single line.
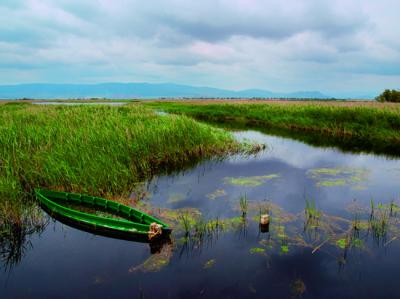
[[343, 247]]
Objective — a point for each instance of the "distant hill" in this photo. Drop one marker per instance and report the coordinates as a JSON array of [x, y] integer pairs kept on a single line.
[[137, 90]]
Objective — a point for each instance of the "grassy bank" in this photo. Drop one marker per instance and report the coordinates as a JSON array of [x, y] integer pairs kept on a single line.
[[96, 149], [370, 124]]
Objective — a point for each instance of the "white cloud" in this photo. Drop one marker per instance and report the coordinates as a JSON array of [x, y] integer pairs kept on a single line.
[[282, 46]]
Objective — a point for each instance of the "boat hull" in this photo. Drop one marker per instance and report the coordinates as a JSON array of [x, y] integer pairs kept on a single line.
[[134, 226]]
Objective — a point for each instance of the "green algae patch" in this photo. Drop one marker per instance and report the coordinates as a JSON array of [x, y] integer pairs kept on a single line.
[[341, 243], [332, 183], [173, 217], [284, 249], [250, 181], [216, 194], [234, 221], [256, 250], [339, 176], [357, 243], [227, 224], [209, 264], [176, 197]]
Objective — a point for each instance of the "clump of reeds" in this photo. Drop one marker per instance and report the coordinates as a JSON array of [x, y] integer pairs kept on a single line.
[[98, 149], [379, 226], [243, 203], [372, 204], [311, 211], [379, 220], [18, 221], [185, 222]]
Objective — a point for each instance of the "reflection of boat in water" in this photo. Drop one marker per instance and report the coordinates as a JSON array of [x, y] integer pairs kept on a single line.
[[132, 224]]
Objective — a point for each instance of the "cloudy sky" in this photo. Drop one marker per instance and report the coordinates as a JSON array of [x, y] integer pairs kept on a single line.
[[337, 47]]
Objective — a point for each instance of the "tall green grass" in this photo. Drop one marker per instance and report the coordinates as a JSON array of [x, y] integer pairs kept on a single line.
[[98, 150], [365, 123]]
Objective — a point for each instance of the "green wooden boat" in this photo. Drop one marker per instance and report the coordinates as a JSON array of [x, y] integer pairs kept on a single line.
[[135, 224]]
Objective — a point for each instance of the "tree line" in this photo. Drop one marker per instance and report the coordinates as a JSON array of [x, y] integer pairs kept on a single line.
[[389, 96]]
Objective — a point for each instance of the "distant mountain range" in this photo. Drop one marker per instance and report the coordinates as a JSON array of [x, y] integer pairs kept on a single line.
[[138, 90]]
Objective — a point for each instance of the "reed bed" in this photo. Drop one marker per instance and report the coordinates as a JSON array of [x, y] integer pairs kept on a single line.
[[97, 149], [369, 123]]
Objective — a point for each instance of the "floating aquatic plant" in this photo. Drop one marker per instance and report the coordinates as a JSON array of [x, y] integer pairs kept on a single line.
[[332, 182], [284, 249], [339, 176], [250, 181], [174, 216], [341, 243], [209, 264], [357, 243], [216, 194], [255, 250]]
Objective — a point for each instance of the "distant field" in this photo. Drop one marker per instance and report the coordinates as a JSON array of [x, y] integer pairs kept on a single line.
[[291, 102], [3, 101], [340, 103]]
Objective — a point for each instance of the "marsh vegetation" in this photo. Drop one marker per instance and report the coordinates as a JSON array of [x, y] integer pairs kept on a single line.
[[364, 123], [97, 150], [332, 215]]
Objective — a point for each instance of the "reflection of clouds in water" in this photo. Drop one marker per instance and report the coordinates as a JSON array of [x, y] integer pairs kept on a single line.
[[289, 159], [295, 153], [301, 155]]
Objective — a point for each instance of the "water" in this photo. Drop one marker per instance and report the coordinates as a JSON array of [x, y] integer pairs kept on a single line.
[[239, 261]]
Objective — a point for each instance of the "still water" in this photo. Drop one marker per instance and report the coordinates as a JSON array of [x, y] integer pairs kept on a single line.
[[334, 232]]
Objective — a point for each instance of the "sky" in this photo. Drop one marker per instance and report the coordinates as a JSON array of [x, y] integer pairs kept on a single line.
[[349, 47]]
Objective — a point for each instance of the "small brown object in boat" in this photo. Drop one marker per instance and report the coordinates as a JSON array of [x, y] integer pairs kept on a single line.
[[155, 230], [264, 219]]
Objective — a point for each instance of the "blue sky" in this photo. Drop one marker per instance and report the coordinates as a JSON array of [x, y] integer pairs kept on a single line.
[[337, 47]]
